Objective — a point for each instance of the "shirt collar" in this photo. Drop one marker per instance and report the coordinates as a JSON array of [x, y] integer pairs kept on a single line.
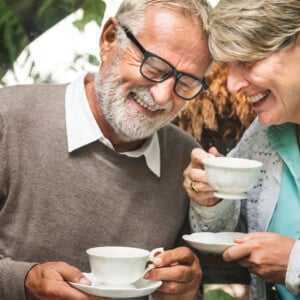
[[82, 128]]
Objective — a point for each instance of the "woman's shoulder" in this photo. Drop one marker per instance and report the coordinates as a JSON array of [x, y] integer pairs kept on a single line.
[[254, 142]]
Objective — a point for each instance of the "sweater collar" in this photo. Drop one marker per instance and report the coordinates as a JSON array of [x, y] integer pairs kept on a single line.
[[82, 128]]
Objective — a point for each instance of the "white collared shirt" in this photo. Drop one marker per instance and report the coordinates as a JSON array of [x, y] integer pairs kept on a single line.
[[82, 128]]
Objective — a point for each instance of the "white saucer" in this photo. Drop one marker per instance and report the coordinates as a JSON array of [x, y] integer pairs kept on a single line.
[[140, 288], [214, 242], [230, 196]]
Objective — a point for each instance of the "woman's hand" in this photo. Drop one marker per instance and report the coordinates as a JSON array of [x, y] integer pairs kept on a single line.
[[195, 182], [263, 253]]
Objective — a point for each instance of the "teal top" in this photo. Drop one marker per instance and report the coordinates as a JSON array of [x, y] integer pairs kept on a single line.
[[286, 217]]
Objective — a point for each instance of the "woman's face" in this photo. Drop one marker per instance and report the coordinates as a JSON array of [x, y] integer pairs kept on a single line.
[[271, 84]]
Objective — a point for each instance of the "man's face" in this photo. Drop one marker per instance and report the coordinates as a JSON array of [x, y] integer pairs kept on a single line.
[[134, 106]]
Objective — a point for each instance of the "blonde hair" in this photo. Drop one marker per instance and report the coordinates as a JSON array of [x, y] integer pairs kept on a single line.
[[240, 30]]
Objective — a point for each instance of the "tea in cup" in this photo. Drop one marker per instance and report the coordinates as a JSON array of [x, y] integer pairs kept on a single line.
[[120, 266], [231, 177]]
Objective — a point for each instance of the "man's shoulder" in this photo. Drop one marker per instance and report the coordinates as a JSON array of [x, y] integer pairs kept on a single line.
[[176, 146], [173, 131], [32, 89], [174, 137], [19, 96], [21, 103]]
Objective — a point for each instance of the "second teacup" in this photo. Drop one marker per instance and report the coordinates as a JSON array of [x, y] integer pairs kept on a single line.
[[120, 266], [231, 177]]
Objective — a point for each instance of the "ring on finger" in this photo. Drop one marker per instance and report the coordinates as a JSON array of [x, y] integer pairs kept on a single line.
[[193, 186]]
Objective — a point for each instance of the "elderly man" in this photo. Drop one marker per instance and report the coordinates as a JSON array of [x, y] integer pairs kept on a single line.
[[96, 163]]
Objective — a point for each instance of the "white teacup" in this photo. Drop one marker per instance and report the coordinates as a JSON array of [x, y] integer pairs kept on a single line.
[[231, 177], [120, 266]]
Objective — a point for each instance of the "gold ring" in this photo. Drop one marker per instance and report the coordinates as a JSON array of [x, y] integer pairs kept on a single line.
[[193, 187]]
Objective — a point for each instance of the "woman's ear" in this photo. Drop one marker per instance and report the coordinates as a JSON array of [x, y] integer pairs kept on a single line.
[[108, 39]]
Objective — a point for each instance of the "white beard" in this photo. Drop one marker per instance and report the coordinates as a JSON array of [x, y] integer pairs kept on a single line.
[[127, 122]]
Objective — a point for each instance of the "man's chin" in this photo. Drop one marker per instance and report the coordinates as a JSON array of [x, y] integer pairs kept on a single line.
[[128, 139], [132, 137]]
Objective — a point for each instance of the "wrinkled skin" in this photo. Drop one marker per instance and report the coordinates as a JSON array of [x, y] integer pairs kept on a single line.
[[263, 253], [181, 274], [48, 281]]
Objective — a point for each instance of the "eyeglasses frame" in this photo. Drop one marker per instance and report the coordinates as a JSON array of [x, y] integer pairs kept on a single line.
[[174, 72]]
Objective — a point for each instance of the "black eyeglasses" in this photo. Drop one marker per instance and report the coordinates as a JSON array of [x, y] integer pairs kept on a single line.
[[156, 69]]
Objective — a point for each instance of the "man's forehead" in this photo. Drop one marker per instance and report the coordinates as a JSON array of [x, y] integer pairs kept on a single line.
[[163, 21]]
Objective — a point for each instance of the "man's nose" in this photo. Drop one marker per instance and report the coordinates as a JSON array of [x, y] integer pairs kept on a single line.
[[162, 91]]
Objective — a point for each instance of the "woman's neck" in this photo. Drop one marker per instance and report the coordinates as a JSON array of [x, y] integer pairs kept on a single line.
[[298, 135]]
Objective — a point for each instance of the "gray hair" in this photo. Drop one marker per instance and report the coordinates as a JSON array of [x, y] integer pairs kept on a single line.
[[131, 12], [248, 31]]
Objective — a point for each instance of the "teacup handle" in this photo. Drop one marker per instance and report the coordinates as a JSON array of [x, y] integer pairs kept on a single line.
[[152, 254]]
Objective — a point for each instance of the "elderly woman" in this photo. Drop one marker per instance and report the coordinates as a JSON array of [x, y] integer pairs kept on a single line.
[[260, 43]]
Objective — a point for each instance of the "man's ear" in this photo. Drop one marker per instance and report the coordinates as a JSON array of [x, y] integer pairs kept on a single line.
[[108, 39]]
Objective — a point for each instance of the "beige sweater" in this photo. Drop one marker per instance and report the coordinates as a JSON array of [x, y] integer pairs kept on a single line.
[[54, 205]]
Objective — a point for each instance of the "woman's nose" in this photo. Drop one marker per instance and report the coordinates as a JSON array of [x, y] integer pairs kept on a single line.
[[236, 78]]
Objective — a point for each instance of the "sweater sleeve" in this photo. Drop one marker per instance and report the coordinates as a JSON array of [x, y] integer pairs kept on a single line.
[[12, 273], [221, 217], [292, 279], [12, 278]]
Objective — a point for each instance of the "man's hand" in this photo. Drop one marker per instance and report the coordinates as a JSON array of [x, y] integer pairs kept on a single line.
[[48, 281], [180, 271]]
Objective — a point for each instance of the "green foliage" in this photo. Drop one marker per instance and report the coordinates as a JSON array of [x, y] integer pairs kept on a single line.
[[92, 11], [12, 37], [52, 11], [23, 21], [217, 294], [93, 60]]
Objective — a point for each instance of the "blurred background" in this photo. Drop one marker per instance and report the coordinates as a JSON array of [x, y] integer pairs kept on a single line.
[[50, 40]]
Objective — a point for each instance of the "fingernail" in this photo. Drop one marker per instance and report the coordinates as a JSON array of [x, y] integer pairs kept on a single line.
[[157, 261], [84, 281]]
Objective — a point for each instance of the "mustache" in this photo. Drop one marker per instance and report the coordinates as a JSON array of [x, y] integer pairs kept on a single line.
[[144, 98]]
